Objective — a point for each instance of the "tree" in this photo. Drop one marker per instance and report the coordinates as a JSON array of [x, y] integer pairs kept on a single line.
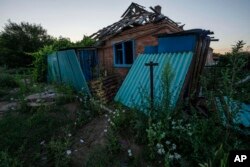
[[17, 40], [85, 42]]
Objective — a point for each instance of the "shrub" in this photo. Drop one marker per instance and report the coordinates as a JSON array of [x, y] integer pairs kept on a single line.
[[8, 161], [57, 152], [7, 81]]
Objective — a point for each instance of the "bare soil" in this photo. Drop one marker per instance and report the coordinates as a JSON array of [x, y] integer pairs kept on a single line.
[[87, 138]]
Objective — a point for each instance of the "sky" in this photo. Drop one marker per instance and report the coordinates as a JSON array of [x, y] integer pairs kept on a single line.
[[228, 19]]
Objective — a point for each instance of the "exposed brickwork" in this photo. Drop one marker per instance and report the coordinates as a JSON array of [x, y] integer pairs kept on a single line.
[[142, 35]]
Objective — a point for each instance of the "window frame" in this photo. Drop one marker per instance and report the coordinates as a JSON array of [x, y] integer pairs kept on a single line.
[[123, 53]]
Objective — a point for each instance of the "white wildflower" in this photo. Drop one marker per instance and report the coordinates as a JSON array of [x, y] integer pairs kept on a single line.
[[80, 99], [106, 115], [180, 121], [123, 111], [69, 135], [68, 152], [171, 156], [11, 99], [168, 142], [81, 140], [105, 130], [161, 151], [173, 146], [129, 153], [158, 145], [177, 156], [75, 123], [42, 142], [163, 135], [109, 120]]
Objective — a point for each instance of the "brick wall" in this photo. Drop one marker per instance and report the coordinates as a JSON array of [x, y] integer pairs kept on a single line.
[[142, 35]]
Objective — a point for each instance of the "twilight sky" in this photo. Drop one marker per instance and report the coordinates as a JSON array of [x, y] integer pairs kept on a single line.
[[229, 19]]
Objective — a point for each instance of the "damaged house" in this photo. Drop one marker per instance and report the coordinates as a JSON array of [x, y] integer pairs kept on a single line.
[[121, 42], [122, 50]]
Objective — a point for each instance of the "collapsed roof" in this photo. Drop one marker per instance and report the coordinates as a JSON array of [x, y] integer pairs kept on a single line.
[[135, 15]]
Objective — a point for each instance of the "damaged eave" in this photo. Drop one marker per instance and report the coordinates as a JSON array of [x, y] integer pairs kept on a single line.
[[135, 16]]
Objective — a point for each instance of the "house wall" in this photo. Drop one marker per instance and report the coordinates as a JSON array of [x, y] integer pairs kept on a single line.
[[142, 36], [210, 61]]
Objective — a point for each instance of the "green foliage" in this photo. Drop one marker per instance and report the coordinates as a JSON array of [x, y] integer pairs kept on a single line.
[[7, 81], [7, 161], [165, 106], [16, 40], [61, 43], [40, 63], [100, 157], [66, 94], [85, 42], [113, 145], [155, 133], [140, 126], [40, 56], [122, 120], [21, 134], [224, 81], [57, 151]]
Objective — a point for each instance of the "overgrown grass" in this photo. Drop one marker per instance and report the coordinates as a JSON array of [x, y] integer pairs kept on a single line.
[[7, 81], [39, 136], [22, 134]]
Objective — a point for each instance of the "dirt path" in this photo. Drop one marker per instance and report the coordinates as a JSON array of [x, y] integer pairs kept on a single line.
[[90, 136]]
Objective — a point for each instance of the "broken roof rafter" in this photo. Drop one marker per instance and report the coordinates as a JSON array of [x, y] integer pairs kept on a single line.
[[135, 15]]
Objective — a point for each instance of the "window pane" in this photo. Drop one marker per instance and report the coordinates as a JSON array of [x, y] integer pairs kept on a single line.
[[118, 54], [129, 54]]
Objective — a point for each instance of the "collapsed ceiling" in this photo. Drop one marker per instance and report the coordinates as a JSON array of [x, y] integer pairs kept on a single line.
[[135, 15]]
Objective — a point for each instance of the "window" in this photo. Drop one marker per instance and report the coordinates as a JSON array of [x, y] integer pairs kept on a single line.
[[124, 54]]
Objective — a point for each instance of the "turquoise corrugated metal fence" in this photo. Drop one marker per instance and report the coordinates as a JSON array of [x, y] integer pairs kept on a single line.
[[137, 80], [63, 67]]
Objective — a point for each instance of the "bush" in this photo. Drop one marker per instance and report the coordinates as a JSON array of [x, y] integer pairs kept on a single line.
[[7, 161], [7, 81], [21, 134], [16, 40], [57, 152]]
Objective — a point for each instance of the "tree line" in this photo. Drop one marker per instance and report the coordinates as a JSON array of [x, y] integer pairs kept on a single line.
[[20, 43]]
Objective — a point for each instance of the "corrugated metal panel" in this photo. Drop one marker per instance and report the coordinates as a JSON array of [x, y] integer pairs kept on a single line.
[[150, 49], [176, 44], [64, 67], [88, 61], [243, 110], [137, 80], [53, 68]]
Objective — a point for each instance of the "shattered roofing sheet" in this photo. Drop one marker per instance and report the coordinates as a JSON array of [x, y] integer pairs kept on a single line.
[[135, 15], [137, 80]]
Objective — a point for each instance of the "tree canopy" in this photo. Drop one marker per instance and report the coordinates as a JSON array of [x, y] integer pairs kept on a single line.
[[17, 40]]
